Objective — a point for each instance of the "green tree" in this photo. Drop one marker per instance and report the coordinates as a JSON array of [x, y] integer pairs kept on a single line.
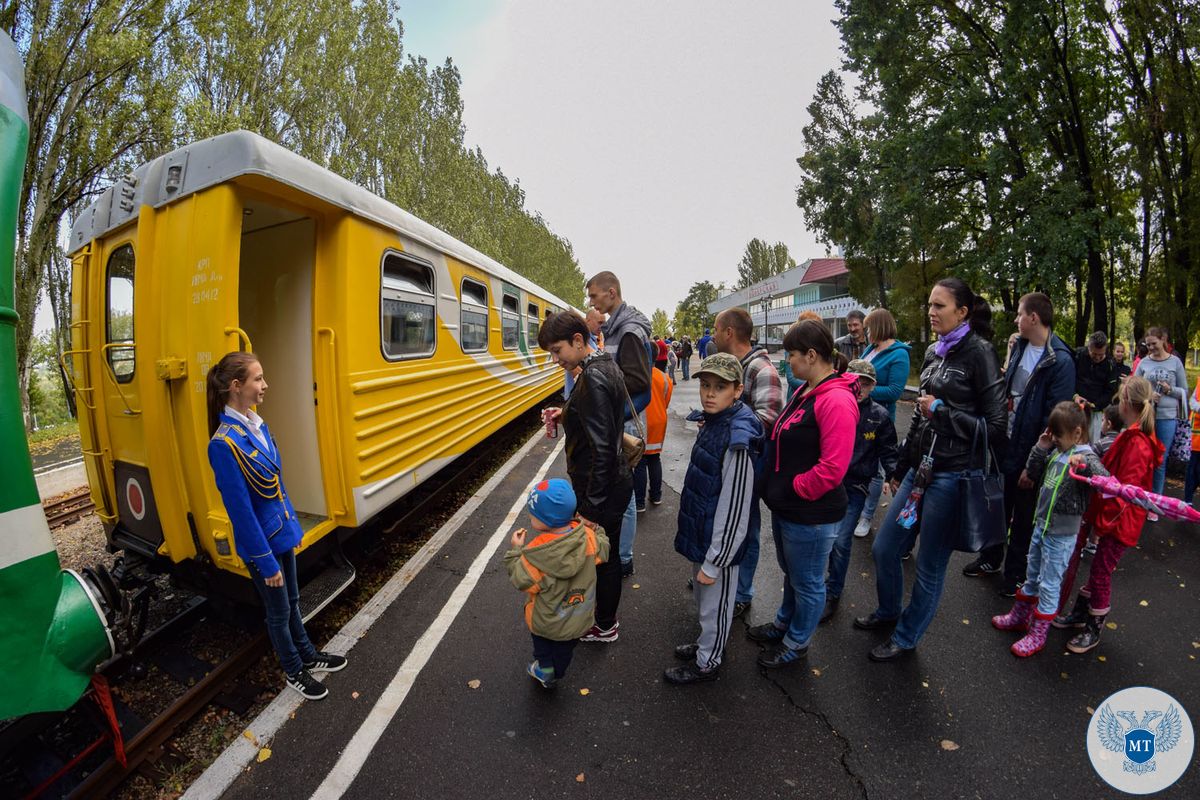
[[761, 261], [692, 315], [660, 325]]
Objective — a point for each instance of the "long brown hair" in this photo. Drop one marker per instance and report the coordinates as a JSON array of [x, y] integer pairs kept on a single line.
[[232, 367]]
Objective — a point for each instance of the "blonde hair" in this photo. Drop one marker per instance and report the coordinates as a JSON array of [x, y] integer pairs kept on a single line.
[[1137, 394]]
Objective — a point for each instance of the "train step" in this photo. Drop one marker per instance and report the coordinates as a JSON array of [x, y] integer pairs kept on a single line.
[[321, 590]]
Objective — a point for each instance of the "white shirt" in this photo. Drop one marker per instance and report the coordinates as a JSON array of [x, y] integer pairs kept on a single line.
[[253, 423]]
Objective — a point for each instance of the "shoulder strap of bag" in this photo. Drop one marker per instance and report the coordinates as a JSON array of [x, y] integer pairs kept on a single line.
[[636, 415]]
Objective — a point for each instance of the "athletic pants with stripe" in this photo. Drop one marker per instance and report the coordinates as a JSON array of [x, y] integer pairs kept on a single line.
[[714, 607]]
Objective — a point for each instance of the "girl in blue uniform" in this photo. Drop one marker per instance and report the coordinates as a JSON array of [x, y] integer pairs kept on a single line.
[[246, 462]]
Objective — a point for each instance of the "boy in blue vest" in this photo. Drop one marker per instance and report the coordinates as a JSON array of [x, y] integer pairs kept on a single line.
[[714, 511]]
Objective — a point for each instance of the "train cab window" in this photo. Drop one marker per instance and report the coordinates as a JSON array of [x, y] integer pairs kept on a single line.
[[119, 328], [510, 322], [531, 329], [407, 307], [473, 324]]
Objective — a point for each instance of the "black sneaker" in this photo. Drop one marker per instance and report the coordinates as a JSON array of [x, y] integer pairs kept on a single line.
[[779, 655], [741, 607], [981, 566], [767, 632], [626, 569], [686, 674], [687, 652], [1009, 588], [326, 662], [307, 685]]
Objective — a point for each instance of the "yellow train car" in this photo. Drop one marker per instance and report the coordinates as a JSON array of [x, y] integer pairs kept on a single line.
[[391, 348]]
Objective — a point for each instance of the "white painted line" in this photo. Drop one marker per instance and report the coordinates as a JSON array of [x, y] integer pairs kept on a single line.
[[359, 748], [221, 774], [57, 466]]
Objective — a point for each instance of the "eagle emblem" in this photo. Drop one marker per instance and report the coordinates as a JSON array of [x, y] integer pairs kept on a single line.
[[1137, 742]]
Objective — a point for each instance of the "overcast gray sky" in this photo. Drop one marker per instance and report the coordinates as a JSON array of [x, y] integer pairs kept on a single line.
[[658, 136]]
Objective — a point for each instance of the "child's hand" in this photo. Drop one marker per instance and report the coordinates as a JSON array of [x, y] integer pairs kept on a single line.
[[1045, 441], [1077, 460], [518, 538], [702, 577], [1025, 482]]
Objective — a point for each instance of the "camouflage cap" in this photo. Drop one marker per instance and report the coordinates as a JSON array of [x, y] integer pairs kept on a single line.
[[861, 367], [723, 365]]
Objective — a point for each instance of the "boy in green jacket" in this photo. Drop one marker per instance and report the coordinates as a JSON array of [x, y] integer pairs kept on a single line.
[[557, 569]]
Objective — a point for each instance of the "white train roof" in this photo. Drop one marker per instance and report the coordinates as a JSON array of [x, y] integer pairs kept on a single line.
[[210, 162]]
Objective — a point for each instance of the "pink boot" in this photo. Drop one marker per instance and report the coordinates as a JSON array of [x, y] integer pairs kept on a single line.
[[1035, 640], [1018, 618]]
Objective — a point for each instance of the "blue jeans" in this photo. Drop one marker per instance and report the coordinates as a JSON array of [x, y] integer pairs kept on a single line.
[[873, 494], [687, 368], [285, 626], [939, 507], [1192, 479], [628, 531], [1164, 429], [803, 553], [749, 563], [648, 470], [839, 556], [1049, 557]]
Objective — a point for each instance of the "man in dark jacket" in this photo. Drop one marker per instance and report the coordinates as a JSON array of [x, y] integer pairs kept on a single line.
[[597, 467], [1096, 381], [1040, 374], [855, 341]]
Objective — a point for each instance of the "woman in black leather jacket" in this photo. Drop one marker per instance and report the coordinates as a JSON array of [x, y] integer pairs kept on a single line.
[[593, 423], [962, 392]]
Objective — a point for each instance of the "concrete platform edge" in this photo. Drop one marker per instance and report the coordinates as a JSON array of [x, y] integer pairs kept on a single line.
[[221, 774]]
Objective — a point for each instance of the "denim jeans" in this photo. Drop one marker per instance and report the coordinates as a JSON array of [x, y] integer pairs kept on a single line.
[[1164, 429], [839, 556], [1049, 557], [873, 494], [648, 470], [749, 563], [285, 626], [940, 508], [553, 653], [687, 368], [1192, 478], [803, 554], [628, 531]]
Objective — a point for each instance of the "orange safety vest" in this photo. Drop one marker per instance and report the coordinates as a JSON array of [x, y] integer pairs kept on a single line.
[[1195, 417], [656, 411]]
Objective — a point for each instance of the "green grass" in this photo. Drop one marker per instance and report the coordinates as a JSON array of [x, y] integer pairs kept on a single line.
[[54, 433]]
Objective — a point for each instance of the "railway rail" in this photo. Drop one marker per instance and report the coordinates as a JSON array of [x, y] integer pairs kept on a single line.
[[68, 509]]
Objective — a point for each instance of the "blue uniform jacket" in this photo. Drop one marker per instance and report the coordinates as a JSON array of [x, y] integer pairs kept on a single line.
[[264, 521]]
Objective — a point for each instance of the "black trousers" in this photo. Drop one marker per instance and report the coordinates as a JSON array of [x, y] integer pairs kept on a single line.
[[551, 653], [608, 574], [1019, 506]]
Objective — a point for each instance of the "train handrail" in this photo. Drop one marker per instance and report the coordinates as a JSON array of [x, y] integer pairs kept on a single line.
[[130, 410], [69, 374], [334, 409], [242, 337]]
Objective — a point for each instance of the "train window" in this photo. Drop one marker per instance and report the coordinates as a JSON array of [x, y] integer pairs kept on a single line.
[[510, 322], [473, 324], [531, 329], [120, 313], [407, 309]]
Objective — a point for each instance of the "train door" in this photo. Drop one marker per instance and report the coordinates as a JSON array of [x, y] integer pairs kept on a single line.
[[275, 309]]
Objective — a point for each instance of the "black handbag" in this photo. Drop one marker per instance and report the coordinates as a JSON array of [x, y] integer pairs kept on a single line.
[[981, 502]]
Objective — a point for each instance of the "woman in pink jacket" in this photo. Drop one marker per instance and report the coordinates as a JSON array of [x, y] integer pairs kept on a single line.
[[806, 458]]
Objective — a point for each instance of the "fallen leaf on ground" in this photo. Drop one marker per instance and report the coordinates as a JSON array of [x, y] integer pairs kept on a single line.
[[1062, 675], [579, 778], [263, 755], [473, 683], [250, 737], [1112, 626], [1091, 710], [637, 586], [925, 684], [966, 622], [585, 692], [948, 745], [1102, 658], [816, 672], [354, 695], [1143, 604], [1196, 645]]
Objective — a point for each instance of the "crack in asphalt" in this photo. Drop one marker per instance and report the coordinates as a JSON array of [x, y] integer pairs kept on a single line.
[[824, 720]]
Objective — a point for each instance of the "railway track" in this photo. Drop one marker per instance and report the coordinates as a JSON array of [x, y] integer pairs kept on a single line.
[[68, 509], [148, 744]]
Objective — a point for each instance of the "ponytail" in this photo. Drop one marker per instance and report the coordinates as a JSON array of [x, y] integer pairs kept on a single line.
[[979, 310], [1137, 394], [232, 367]]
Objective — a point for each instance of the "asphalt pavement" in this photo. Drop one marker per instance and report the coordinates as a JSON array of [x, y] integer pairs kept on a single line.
[[961, 717]]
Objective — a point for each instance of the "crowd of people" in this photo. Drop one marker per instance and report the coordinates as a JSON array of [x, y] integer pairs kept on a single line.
[[988, 465]]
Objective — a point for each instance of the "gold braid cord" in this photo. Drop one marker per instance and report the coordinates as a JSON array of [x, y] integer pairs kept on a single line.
[[265, 485]]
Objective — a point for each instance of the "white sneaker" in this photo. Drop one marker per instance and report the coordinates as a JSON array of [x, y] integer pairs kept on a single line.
[[862, 529]]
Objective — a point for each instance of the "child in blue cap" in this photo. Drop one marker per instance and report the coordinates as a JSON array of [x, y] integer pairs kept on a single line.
[[557, 569]]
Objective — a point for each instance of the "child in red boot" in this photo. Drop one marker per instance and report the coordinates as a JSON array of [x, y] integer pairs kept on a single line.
[[1060, 506]]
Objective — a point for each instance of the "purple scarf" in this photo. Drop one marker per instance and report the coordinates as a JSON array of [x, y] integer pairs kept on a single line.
[[950, 339]]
